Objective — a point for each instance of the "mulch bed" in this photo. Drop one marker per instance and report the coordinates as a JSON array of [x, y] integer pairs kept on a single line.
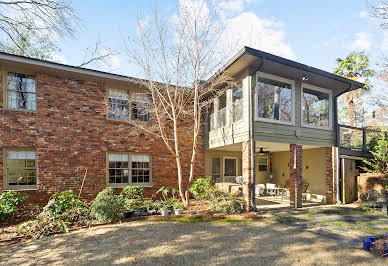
[[197, 209]]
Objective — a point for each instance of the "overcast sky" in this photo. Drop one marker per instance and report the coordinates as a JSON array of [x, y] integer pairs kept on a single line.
[[311, 32]]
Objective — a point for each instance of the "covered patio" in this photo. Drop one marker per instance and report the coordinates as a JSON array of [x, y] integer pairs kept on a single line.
[[276, 169]]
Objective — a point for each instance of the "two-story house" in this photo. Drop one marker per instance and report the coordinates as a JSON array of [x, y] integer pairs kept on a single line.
[[278, 126]]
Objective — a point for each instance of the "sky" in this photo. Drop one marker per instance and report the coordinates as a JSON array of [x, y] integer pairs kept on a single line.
[[310, 32]]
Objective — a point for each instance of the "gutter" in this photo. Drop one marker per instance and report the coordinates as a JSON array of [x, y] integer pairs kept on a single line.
[[252, 135]]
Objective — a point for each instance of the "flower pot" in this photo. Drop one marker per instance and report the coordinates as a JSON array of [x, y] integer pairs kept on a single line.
[[367, 245], [178, 211], [371, 238], [164, 212]]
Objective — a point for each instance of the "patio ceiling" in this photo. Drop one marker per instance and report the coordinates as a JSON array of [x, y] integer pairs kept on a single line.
[[267, 146]]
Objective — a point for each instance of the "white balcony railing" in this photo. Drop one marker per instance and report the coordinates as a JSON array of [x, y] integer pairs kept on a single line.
[[237, 113], [221, 117]]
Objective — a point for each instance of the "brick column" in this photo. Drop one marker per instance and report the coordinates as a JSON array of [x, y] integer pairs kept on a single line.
[[247, 173], [296, 175], [331, 175]]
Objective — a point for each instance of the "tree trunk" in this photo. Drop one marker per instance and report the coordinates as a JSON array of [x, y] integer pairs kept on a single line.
[[351, 111], [276, 104]]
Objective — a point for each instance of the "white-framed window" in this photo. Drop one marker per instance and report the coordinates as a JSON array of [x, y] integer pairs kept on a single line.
[[216, 168], [21, 92], [141, 107], [123, 105], [118, 104], [263, 164], [230, 166], [316, 107], [275, 99], [20, 169], [237, 100], [126, 168]]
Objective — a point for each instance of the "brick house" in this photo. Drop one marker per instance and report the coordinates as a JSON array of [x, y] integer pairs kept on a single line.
[[56, 122]]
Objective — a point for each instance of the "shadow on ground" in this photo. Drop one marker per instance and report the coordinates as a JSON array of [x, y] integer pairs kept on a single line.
[[149, 243]]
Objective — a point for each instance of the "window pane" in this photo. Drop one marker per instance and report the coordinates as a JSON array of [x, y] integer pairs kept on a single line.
[[222, 102], [216, 166], [141, 168], [21, 91], [118, 168], [237, 94], [141, 107], [118, 104], [315, 108], [274, 100], [230, 167], [20, 167]]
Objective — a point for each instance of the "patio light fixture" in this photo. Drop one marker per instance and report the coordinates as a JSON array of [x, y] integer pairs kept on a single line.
[[261, 152]]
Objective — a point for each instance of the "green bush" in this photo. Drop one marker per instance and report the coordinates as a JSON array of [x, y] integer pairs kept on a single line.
[[227, 205], [61, 203], [202, 188], [379, 150], [107, 207], [63, 209], [8, 203], [132, 197]]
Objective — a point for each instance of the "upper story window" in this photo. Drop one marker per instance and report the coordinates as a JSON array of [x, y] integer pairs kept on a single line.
[[141, 107], [221, 114], [316, 104], [21, 92], [274, 99], [122, 106], [20, 169], [118, 101], [237, 96]]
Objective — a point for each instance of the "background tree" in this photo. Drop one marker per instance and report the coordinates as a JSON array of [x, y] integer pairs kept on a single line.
[[175, 57], [355, 66]]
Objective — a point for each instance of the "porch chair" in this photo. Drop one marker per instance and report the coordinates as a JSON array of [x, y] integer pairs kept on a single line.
[[271, 189], [259, 190]]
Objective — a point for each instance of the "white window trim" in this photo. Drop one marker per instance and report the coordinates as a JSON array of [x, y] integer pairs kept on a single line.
[[266, 163], [120, 185], [5, 177], [316, 88], [129, 106], [6, 92], [223, 166], [276, 78]]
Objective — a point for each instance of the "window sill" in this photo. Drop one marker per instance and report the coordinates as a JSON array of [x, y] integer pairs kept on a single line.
[[20, 189], [20, 110], [265, 120], [317, 127], [125, 185]]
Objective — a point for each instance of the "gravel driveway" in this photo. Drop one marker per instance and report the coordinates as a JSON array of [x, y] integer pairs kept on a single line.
[[167, 243]]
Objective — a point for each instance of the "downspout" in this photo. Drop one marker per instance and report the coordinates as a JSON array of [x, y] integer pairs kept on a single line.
[[252, 134]]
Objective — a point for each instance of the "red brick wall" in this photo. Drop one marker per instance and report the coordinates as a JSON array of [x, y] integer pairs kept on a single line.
[[296, 175], [70, 129], [246, 173], [331, 173]]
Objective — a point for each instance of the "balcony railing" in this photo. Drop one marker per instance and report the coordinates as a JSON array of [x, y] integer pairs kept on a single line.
[[221, 117], [355, 138]]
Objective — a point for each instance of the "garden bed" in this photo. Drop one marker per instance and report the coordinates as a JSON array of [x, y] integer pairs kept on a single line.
[[9, 235]]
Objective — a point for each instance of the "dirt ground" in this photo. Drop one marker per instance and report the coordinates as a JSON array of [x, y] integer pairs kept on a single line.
[[169, 243]]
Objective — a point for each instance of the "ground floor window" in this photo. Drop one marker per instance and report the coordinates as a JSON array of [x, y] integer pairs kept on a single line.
[[129, 168], [263, 164], [216, 168], [230, 166], [20, 169]]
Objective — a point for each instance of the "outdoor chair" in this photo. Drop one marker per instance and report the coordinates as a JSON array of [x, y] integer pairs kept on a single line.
[[259, 189], [270, 189]]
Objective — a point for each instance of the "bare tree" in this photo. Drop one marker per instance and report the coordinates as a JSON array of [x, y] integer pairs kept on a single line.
[[47, 17], [97, 55], [176, 56]]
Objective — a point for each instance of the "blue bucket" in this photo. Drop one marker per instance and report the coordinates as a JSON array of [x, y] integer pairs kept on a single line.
[[371, 238], [367, 245]]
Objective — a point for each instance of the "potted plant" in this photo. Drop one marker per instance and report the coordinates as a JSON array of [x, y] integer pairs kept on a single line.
[[177, 208], [164, 210]]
